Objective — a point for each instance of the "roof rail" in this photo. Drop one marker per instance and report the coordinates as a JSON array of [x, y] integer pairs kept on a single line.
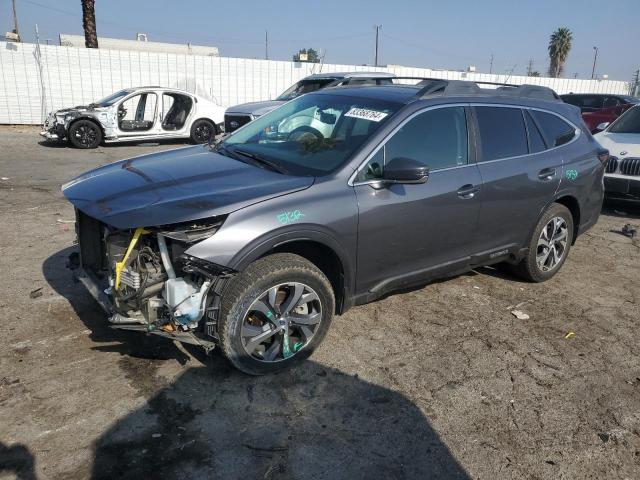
[[438, 86], [470, 87]]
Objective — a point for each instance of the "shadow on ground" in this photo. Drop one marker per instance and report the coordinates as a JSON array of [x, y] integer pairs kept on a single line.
[[18, 460], [311, 422], [621, 208], [178, 142]]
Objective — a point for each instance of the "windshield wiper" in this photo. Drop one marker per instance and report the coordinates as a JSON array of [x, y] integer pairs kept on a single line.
[[261, 161]]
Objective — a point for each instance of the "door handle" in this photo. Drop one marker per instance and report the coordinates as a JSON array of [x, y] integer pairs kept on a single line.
[[468, 191], [547, 174]]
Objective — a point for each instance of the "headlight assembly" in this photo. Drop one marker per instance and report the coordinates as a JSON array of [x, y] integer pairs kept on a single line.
[[190, 232]]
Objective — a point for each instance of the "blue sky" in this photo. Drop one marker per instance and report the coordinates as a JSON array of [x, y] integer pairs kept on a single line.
[[434, 34]]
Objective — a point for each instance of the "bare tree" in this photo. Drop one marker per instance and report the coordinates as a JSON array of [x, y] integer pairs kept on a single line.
[[89, 23]]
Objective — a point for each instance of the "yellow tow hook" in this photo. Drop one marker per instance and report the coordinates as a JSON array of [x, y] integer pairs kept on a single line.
[[132, 245]]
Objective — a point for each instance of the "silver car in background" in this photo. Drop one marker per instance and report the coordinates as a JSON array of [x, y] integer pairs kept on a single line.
[[239, 115]]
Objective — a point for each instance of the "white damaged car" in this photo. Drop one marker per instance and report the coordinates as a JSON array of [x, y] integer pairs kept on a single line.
[[141, 113]]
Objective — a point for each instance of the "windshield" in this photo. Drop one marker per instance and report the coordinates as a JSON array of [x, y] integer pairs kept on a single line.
[[311, 135], [111, 99], [304, 86], [628, 122]]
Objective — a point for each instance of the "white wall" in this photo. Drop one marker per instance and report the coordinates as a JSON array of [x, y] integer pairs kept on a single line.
[[68, 76]]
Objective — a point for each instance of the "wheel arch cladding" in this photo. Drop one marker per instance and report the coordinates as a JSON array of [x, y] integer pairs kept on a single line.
[[323, 257], [573, 205], [90, 119]]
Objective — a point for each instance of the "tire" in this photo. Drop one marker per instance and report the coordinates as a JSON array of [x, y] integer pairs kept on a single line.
[[85, 134], [202, 131], [243, 314], [530, 268], [305, 133]]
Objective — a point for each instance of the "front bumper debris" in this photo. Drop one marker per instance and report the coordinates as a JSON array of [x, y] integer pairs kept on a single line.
[[138, 324]]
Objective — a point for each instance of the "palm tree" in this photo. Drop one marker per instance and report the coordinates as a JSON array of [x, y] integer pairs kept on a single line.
[[89, 23], [559, 46]]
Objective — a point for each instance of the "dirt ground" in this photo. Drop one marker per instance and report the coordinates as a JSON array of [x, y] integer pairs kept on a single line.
[[438, 382]]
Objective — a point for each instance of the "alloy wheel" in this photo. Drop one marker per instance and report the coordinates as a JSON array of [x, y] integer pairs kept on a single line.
[[86, 135], [552, 244], [281, 322], [202, 133]]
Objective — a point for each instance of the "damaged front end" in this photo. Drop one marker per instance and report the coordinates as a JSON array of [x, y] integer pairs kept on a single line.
[[145, 281], [56, 125]]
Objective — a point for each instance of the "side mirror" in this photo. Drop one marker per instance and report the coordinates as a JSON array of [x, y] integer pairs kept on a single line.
[[601, 127], [405, 170]]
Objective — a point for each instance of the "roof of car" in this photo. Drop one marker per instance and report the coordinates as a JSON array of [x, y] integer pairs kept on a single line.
[[437, 88], [350, 75], [572, 94], [157, 87], [391, 93]]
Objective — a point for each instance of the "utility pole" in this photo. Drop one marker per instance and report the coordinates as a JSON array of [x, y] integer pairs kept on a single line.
[[375, 61], [15, 20], [530, 67], [595, 57], [491, 64], [266, 44]]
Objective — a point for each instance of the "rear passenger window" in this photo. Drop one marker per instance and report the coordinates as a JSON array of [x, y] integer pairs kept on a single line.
[[502, 132], [536, 142], [555, 130]]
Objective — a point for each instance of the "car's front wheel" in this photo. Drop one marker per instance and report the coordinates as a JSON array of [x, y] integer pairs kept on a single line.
[[275, 313], [549, 245], [85, 134]]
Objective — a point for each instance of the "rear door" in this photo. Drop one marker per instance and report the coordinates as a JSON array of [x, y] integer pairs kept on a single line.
[[520, 175]]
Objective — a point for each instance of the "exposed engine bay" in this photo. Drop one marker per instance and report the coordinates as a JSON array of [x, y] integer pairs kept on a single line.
[[149, 282]]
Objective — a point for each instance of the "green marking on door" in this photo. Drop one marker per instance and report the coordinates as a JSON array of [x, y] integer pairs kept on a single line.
[[571, 174]]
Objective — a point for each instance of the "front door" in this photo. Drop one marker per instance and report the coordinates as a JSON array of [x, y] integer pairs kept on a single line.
[[137, 115], [409, 232]]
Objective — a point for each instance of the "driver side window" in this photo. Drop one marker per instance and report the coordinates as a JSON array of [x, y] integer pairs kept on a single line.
[[437, 138]]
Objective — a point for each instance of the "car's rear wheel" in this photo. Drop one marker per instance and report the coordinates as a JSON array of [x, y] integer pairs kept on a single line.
[[202, 131], [85, 134], [274, 314], [549, 245]]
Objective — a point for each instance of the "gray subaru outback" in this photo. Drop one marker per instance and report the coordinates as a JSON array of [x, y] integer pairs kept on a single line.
[[332, 200]]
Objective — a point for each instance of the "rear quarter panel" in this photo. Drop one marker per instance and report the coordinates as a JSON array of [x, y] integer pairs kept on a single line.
[[582, 178]]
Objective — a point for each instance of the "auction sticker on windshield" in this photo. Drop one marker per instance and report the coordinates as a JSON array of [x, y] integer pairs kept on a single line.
[[366, 114]]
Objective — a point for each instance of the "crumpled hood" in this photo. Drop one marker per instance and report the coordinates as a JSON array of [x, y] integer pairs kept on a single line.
[[255, 108], [620, 142], [175, 186]]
